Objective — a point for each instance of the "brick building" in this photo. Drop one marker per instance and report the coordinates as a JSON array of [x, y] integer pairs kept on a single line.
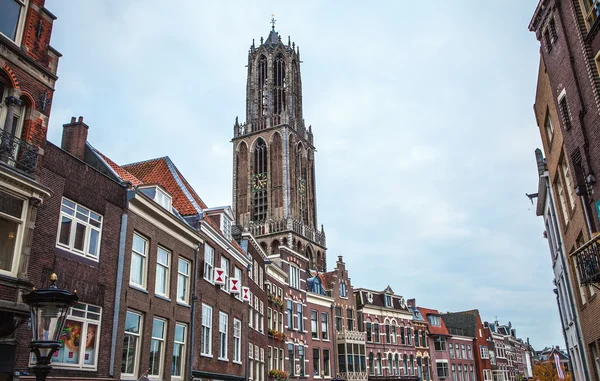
[[509, 355], [27, 78], [438, 343], [388, 324], [568, 35], [552, 171]]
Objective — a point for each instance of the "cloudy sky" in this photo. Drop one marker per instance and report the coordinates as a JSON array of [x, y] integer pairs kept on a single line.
[[422, 116]]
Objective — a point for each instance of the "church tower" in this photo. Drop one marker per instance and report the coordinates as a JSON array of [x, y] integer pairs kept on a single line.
[[274, 192]]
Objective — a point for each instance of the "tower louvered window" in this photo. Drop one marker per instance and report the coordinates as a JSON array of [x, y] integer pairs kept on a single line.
[[262, 86], [302, 184], [259, 182], [296, 99], [278, 85]]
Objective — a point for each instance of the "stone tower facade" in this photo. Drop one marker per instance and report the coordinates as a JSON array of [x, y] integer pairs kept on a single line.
[[274, 192]]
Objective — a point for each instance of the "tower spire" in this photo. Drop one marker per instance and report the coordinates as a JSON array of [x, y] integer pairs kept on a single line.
[[273, 21]]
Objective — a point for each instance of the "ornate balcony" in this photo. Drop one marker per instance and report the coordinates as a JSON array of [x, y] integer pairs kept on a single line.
[[354, 376], [276, 226], [18, 153], [587, 259], [351, 336]]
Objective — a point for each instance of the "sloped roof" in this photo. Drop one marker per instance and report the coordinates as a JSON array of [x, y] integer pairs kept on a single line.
[[434, 329], [463, 320], [120, 171], [163, 172]]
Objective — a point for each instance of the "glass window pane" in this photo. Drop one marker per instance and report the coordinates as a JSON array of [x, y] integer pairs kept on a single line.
[[8, 236], [10, 11], [139, 244], [65, 230], [79, 237], [90, 345], [70, 337], [132, 323], [93, 246], [9, 204]]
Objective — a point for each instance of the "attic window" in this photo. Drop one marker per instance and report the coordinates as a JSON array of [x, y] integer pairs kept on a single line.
[[163, 199], [226, 226], [388, 301], [434, 320]]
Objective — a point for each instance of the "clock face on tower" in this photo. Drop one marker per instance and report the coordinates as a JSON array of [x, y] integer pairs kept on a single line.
[[259, 182]]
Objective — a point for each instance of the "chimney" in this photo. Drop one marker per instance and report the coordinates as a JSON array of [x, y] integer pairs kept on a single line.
[[410, 303], [74, 137]]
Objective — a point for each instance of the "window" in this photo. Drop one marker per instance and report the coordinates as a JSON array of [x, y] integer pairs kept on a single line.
[[434, 320], [324, 326], [163, 261], [12, 215], [225, 268], [226, 226], [412, 365], [350, 319], [314, 324], [393, 333], [547, 39], [206, 346], [11, 23], [301, 360], [548, 126], [457, 351], [81, 327], [442, 369], [237, 340], [454, 373], [440, 343], [376, 331], [250, 358], [402, 337], [131, 344], [163, 199], [473, 373], [369, 335], [589, 12], [326, 365], [451, 348], [237, 274], [568, 181], [378, 364], [292, 360], [343, 290], [389, 364], [209, 263], [463, 351], [157, 345], [79, 229], [316, 362], [405, 364], [565, 112], [387, 334], [139, 253], [388, 301], [469, 353], [460, 374], [183, 281], [371, 364], [179, 351], [289, 314], [259, 182], [408, 336], [223, 325], [487, 375], [294, 277], [299, 316], [339, 319]]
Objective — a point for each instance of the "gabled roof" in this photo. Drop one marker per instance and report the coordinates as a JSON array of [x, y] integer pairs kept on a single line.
[[462, 321], [440, 330], [162, 171], [117, 169]]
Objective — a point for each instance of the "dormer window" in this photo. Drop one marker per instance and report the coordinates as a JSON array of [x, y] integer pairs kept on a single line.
[[163, 199], [12, 21], [226, 226], [434, 320], [388, 301]]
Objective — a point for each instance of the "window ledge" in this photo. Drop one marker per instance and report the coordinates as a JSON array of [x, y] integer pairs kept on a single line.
[[138, 288], [237, 362], [206, 355], [223, 359], [183, 304], [163, 297]]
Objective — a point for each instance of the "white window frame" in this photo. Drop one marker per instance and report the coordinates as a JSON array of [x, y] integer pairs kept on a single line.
[[388, 301], [138, 343], [16, 254], [84, 315], [81, 215], [160, 340], [294, 277], [226, 226], [182, 345], [183, 277], [223, 335], [237, 274], [20, 23], [225, 264], [237, 341], [163, 199], [209, 263], [144, 259], [206, 345], [167, 272]]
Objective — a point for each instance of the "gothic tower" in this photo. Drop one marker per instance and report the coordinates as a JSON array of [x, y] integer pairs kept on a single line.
[[274, 192]]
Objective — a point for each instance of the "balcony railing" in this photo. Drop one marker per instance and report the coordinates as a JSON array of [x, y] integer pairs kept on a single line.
[[354, 376], [351, 336], [588, 261], [18, 153]]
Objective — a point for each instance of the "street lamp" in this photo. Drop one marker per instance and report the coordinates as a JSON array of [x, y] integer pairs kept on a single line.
[[48, 308]]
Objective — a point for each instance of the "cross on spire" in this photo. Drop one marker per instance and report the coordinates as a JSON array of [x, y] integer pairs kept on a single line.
[[273, 21]]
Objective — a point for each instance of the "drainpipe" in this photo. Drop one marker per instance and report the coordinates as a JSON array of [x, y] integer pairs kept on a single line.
[[248, 268], [571, 298], [119, 286], [334, 341], [562, 323], [193, 312]]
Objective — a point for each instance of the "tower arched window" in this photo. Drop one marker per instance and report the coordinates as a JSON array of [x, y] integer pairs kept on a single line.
[[242, 179], [296, 98], [389, 364], [259, 182], [397, 364], [262, 86], [279, 85], [405, 360], [302, 183]]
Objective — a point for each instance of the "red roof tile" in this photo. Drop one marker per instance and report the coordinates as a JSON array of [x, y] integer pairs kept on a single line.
[[120, 171], [163, 172], [433, 329]]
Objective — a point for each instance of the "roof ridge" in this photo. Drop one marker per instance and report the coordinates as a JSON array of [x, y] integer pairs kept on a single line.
[[145, 161], [182, 184]]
